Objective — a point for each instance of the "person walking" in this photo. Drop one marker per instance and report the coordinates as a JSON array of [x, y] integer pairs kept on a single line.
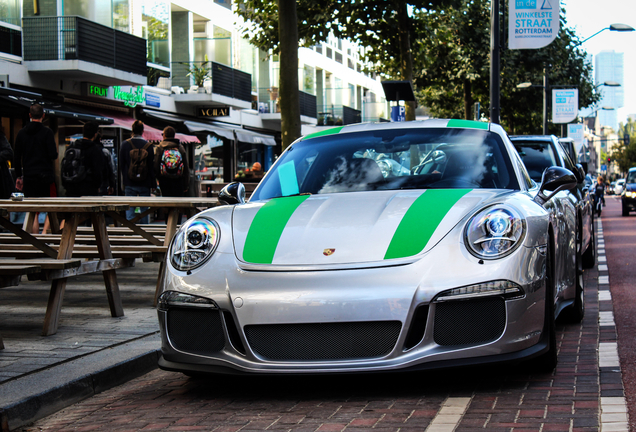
[[35, 152], [83, 164], [34, 156], [136, 157], [7, 186], [108, 174], [171, 165]]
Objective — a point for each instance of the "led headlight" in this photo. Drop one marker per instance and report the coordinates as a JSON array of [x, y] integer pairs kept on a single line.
[[194, 243], [175, 298], [494, 232], [504, 288]]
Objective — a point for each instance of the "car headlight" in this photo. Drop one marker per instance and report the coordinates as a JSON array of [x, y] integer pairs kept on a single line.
[[494, 232], [630, 194], [179, 299], [194, 243]]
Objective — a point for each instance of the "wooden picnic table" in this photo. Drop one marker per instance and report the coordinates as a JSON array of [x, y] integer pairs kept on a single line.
[[75, 213], [175, 205]]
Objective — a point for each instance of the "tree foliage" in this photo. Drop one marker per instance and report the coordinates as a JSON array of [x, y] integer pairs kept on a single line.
[[625, 156], [453, 69]]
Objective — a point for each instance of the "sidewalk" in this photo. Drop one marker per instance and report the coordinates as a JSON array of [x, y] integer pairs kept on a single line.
[[90, 352]]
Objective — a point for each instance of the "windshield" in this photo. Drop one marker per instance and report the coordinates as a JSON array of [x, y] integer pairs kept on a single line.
[[536, 156], [439, 158], [631, 177]]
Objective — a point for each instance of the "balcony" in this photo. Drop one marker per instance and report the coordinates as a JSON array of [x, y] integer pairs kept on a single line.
[[224, 86], [338, 115], [270, 110], [80, 49]]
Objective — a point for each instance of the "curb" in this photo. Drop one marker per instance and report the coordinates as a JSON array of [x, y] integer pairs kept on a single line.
[[38, 395]]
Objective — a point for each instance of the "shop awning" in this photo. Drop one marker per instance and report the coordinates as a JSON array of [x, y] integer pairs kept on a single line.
[[150, 133], [55, 109], [221, 130], [243, 135]]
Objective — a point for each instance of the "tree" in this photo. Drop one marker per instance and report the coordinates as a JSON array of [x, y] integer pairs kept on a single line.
[[453, 68], [384, 27], [625, 156]]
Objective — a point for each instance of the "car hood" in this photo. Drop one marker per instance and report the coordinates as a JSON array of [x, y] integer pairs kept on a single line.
[[371, 227]]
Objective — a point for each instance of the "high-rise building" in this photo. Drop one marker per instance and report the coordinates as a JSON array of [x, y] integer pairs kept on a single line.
[[608, 66]]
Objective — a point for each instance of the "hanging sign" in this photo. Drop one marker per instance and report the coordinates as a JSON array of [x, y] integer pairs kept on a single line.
[[532, 23], [565, 105]]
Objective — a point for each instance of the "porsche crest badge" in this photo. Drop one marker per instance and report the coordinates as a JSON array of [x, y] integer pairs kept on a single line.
[[328, 252]]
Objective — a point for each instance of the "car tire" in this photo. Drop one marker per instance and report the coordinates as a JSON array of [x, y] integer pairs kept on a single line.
[[589, 256], [625, 210], [576, 311], [547, 361]]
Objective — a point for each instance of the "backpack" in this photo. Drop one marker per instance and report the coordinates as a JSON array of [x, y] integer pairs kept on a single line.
[[138, 169], [73, 167], [171, 163]]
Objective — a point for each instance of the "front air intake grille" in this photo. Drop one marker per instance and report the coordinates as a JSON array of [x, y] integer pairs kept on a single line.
[[469, 322], [323, 342], [196, 331]]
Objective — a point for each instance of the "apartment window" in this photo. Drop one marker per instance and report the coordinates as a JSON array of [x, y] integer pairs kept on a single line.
[[97, 11], [329, 52], [155, 22], [121, 15], [10, 12], [350, 63], [338, 57], [225, 3], [318, 49]]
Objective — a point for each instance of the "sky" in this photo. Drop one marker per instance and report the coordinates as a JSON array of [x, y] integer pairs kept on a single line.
[[587, 17]]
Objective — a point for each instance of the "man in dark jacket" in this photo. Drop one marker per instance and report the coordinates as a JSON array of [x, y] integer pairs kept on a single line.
[[94, 162], [35, 152], [147, 182]]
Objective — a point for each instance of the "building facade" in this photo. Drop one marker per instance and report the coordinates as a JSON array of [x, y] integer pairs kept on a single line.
[[608, 66], [182, 63]]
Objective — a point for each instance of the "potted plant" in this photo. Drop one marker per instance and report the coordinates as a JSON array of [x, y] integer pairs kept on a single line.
[[200, 73]]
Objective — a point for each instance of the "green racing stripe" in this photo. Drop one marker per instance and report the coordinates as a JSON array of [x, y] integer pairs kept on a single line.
[[267, 227], [421, 220]]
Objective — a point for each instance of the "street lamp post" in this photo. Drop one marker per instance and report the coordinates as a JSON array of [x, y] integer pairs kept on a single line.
[[495, 85]]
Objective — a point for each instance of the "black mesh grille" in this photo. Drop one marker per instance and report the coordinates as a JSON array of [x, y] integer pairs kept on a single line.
[[469, 322], [329, 341], [197, 331], [417, 327]]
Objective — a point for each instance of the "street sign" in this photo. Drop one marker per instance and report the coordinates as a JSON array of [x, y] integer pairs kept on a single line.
[[603, 167], [532, 23], [565, 105]]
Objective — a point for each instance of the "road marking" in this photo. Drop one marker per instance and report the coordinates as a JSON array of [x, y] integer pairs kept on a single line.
[[450, 414], [613, 409]]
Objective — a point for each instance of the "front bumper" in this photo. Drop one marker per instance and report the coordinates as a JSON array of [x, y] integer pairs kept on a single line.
[[362, 320], [628, 200]]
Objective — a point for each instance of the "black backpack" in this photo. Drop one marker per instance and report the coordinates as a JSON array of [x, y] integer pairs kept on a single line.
[[73, 167], [138, 169]]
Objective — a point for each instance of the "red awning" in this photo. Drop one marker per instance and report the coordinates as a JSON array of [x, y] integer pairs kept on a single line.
[[150, 133]]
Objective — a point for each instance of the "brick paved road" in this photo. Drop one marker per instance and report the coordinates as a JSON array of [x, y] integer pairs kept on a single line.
[[495, 399]]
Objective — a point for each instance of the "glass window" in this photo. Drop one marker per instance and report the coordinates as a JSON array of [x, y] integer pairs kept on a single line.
[[536, 156], [98, 11], [10, 11], [121, 15], [308, 79], [392, 159], [155, 29]]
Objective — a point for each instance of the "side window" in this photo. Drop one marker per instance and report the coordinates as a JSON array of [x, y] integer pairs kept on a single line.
[[566, 158]]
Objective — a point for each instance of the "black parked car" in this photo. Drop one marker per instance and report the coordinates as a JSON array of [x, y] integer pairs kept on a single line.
[[540, 152], [628, 196]]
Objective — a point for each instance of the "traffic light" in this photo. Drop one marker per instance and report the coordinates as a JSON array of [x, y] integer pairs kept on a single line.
[[609, 159]]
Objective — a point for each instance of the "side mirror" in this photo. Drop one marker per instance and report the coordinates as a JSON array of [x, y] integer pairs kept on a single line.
[[233, 193], [555, 179], [580, 173]]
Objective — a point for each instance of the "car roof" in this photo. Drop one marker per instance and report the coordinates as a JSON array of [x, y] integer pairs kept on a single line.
[[416, 124], [546, 138]]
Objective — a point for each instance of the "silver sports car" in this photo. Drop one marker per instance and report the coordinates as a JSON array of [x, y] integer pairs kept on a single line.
[[376, 247]]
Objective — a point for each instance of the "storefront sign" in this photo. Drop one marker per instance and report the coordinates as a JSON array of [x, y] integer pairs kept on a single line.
[[153, 100], [532, 23], [94, 90], [131, 98], [213, 111]]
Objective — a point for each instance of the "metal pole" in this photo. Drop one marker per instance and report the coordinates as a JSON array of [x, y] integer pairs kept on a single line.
[[546, 90], [494, 62]]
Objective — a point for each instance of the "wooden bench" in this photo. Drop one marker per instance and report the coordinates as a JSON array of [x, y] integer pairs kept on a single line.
[[10, 274]]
